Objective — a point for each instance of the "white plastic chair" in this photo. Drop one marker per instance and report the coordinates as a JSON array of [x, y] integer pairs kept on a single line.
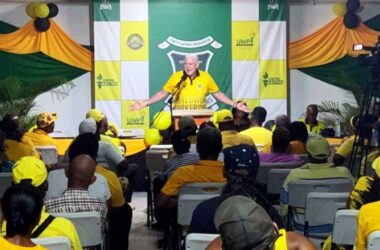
[[53, 243], [5, 182], [345, 227], [263, 170], [276, 179], [373, 241], [199, 241], [88, 226], [49, 154]]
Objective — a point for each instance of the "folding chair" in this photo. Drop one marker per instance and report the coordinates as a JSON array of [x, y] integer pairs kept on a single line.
[[53, 243], [49, 154], [5, 182], [199, 241], [321, 208], [263, 170], [276, 179], [298, 190], [373, 241], [88, 226], [156, 161], [345, 227]]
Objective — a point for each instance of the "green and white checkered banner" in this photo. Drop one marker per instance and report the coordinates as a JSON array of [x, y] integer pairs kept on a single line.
[[140, 43]]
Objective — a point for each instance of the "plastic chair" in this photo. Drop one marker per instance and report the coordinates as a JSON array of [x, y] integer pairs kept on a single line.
[[263, 170], [345, 227], [199, 241], [88, 226], [53, 243], [276, 179], [373, 241], [49, 154]]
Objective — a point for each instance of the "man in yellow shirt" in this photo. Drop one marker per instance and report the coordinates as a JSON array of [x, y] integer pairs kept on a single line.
[[33, 170], [45, 126], [312, 124], [258, 134], [368, 221], [189, 88]]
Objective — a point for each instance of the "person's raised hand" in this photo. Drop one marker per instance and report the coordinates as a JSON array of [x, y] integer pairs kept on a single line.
[[137, 105]]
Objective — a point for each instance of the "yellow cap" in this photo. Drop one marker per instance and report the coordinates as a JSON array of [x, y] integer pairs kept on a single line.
[[223, 115], [376, 166], [95, 114], [45, 119], [29, 167]]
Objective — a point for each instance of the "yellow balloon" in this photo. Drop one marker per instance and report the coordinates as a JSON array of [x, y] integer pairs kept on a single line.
[[162, 120], [30, 9], [152, 136], [339, 8], [41, 10]]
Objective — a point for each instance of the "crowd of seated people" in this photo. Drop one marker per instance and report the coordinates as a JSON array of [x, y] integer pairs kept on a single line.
[[229, 149]]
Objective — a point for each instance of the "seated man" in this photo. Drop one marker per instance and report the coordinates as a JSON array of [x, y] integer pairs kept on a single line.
[[345, 149], [258, 134], [45, 126], [243, 224], [230, 137], [280, 149], [240, 168], [31, 169], [208, 169], [312, 124], [368, 222], [318, 150]]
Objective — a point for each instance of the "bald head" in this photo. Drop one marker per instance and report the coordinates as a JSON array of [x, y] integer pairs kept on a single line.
[[81, 172], [282, 121]]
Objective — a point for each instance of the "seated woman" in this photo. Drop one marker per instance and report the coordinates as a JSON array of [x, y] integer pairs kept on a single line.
[[299, 137], [21, 206]]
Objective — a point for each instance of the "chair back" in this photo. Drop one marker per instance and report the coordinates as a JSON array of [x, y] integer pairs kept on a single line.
[[88, 226], [49, 154], [276, 179], [199, 241], [5, 182], [345, 227], [373, 241], [263, 170], [53, 243], [299, 189], [156, 160], [202, 188]]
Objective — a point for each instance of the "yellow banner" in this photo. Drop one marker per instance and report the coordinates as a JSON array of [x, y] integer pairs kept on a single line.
[[134, 41], [273, 79], [245, 40], [134, 119], [107, 81]]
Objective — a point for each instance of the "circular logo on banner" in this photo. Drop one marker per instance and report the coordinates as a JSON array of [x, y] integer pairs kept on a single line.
[[135, 42]]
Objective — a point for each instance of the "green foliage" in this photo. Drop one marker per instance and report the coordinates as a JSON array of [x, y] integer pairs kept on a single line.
[[9, 88], [332, 111]]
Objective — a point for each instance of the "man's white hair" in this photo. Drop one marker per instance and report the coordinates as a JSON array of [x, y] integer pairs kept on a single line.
[[192, 56]]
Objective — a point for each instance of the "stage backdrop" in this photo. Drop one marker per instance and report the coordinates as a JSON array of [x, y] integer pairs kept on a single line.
[[140, 43]]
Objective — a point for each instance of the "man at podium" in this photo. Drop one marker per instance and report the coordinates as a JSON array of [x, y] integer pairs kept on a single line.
[[189, 89]]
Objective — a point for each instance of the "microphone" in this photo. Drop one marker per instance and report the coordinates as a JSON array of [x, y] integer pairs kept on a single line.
[[183, 78]]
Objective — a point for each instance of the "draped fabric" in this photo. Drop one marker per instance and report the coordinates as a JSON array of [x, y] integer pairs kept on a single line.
[[330, 43], [53, 43]]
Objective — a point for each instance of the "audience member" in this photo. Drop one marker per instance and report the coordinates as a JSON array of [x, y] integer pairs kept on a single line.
[[280, 150], [45, 125], [258, 134], [21, 206], [318, 150], [240, 167], [299, 137], [244, 224], [312, 124], [189, 127], [241, 119], [368, 222], [32, 170], [345, 149], [270, 125], [280, 121], [230, 137]]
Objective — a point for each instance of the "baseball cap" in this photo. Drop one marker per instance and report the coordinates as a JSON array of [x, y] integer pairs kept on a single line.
[[318, 147], [88, 125], [187, 124], [243, 224], [223, 115], [376, 166], [45, 119], [239, 158], [95, 114], [29, 167]]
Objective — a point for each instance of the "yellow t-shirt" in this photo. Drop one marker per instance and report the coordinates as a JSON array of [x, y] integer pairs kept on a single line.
[[14, 150], [316, 129], [117, 196], [203, 171], [368, 221], [231, 138], [193, 92], [58, 227], [259, 135], [40, 138], [280, 243], [346, 147], [6, 245]]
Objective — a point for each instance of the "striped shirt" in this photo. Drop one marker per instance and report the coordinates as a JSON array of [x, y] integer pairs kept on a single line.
[[180, 160]]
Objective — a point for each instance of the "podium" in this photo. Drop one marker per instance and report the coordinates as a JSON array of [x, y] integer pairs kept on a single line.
[[199, 115]]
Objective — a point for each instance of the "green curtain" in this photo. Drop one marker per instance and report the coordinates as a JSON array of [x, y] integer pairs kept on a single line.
[[35, 72], [345, 73]]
